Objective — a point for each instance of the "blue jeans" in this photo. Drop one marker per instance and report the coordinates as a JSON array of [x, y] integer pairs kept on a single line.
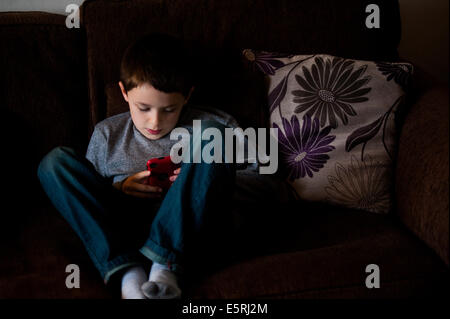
[[187, 227]]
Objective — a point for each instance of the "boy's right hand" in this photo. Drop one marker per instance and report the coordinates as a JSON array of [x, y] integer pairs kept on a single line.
[[136, 185]]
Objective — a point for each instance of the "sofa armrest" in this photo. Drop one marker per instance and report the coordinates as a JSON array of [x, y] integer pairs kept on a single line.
[[422, 172]]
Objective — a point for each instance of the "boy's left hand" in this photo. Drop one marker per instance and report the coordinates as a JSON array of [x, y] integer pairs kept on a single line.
[[175, 174]]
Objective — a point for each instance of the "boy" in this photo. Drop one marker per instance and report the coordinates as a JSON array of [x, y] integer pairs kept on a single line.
[[124, 222]]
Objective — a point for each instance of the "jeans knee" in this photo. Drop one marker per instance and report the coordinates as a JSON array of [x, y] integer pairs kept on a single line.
[[53, 161]]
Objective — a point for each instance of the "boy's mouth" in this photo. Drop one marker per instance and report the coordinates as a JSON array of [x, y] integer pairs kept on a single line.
[[153, 132]]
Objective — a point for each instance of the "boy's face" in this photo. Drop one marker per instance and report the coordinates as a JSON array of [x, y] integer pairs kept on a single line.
[[154, 113]]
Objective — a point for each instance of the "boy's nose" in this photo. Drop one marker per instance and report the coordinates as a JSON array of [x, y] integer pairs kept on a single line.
[[154, 120]]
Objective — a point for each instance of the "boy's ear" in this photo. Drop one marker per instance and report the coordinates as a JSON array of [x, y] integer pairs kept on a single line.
[[122, 89]]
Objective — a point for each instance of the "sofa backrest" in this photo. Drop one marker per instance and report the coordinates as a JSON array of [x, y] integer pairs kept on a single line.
[[43, 95], [223, 28], [43, 84]]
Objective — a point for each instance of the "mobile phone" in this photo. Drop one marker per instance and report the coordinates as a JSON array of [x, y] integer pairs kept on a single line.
[[161, 169]]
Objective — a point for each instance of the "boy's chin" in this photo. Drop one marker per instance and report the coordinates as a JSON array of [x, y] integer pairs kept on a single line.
[[153, 136]]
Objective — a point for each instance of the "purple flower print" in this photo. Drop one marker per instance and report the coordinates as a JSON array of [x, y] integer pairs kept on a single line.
[[302, 149]]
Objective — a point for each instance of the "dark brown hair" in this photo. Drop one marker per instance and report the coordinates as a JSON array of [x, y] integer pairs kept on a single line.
[[160, 60]]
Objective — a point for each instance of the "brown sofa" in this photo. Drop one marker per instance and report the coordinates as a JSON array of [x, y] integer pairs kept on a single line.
[[58, 82]]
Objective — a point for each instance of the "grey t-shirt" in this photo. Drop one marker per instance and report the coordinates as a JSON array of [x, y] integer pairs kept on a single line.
[[118, 150]]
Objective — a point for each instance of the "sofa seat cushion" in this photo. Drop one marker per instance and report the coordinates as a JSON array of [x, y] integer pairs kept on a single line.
[[320, 253], [333, 272], [40, 247], [324, 254]]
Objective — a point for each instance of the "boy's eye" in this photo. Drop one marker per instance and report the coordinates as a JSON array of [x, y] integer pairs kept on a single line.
[[169, 110], [143, 109]]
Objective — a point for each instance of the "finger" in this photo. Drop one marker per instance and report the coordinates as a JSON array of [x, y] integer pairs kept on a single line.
[[140, 175], [173, 178], [177, 171]]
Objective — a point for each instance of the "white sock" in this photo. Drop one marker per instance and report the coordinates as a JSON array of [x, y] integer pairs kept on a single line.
[[132, 281], [161, 284]]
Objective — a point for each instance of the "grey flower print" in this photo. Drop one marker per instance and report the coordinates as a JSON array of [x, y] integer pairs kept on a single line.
[[362, 185], [400, 72], [329, 89]]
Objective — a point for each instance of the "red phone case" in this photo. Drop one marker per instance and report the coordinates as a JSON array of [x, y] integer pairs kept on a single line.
[[161, 169]]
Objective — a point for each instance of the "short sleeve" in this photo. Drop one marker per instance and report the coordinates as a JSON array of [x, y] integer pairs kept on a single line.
[[96, 151]]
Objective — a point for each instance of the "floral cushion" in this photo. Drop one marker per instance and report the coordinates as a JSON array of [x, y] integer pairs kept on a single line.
[[337, 123]]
